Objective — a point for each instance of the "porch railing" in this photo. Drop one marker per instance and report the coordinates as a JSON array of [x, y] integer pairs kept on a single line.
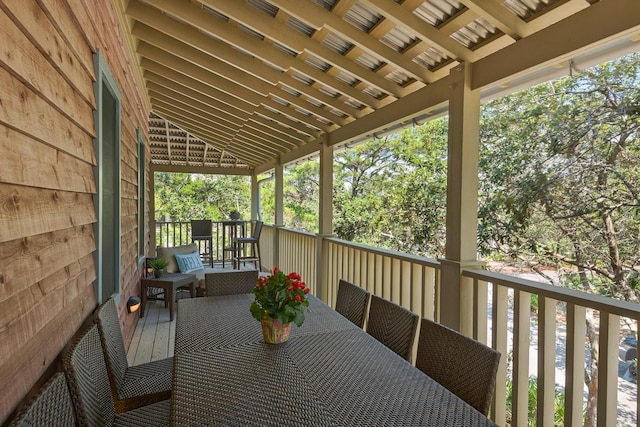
[[177, 233], [547, 342]]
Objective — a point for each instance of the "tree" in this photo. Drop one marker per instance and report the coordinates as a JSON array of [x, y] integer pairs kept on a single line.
[[182, 196], [559, 183]]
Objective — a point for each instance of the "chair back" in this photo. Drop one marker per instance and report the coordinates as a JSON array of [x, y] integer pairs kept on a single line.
[[352, 302], [201, 227], [463, 365], [115, 355], [257, 229], [52, 406], [230, 282], [86, 374], [393, 325]]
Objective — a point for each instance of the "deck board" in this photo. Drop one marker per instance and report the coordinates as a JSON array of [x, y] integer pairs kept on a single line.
[[154, 336]]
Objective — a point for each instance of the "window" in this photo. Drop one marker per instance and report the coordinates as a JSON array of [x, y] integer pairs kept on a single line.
[[142, 238], [107, 177]]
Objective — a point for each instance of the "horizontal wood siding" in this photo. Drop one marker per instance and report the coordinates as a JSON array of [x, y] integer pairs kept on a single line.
[[47, 162]]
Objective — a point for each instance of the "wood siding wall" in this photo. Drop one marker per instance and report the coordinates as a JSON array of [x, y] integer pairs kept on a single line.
[[47, 184]]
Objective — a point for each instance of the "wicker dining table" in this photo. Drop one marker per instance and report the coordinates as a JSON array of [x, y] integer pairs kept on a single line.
[[329, 373]]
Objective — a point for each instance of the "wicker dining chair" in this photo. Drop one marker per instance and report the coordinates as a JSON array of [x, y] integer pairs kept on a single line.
[[230, 282], [52, 406], [393, 325], [132, 386], [463, 365], [352, 302], [86, 374]]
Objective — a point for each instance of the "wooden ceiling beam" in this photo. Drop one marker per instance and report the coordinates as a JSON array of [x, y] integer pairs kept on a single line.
[[224, 52], [230, 122], [223, 73], [279, 123], [242, 40], [406, 19], [318, 17], [199, 79], [250, 16], [215, 129]]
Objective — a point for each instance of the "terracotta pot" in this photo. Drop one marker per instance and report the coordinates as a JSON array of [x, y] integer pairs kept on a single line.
[[275, 332]]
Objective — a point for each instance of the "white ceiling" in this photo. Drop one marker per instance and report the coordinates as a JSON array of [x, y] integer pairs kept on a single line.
[[255, 82]]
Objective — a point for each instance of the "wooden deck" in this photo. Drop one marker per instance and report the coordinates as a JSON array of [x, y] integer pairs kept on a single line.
[[154, 336]]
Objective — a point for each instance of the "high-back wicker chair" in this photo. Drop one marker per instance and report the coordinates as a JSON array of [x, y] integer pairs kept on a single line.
[[463, 365], [52, 406], [230, 282], [86, 374], [393, 325], [132, 386], [352, 302]]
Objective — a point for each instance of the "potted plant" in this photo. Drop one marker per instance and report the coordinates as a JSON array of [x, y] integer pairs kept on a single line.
[[158, 264], [234, 215], [280, 299]]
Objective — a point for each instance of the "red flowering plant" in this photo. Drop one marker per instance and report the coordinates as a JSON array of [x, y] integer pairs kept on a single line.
[[281, 297]]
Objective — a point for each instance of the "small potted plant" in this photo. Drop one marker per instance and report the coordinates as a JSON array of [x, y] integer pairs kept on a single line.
[[158, 264], [234, 215], [280, 299]]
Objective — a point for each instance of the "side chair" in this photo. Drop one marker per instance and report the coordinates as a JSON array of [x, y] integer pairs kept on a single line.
[[352, 302], [131, 386], [230, 282], [463, 365], [52, 406], [393, 325], [86, 374]]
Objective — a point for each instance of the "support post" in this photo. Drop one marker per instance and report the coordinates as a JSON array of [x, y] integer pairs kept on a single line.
[[279, 214], [462, 199], [325, 225], [152, 212]]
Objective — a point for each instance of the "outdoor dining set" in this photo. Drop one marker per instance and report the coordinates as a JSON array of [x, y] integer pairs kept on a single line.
[[352, 365]]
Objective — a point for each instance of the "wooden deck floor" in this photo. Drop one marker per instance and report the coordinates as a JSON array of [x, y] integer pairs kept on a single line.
[[154, 336]]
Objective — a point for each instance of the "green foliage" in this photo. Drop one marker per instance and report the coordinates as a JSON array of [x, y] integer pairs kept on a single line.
[[559, 177], [532, 400], [158, 263], [281, 297], [182, 196]]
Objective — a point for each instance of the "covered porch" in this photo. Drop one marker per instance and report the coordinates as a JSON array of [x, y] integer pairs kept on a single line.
[[120, 90]]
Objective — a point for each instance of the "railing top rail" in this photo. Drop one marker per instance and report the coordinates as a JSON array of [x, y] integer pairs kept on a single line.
[[384, 252], [293, 230], [584, 299], [388, 253]]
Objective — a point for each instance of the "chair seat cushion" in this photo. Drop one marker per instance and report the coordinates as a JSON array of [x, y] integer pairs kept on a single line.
[[169, 255], [148, 378], [154, 415]]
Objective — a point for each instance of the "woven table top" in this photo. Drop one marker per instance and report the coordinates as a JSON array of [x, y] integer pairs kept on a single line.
[[328, 373], [204, 323]]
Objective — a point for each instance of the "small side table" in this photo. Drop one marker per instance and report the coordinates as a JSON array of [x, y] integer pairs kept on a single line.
[[170, 282]]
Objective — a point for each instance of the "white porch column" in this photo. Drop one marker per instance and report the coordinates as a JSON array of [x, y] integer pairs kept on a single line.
[[462, 200], [255, 193], [325, 226], [279, 219], [152, 213]]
